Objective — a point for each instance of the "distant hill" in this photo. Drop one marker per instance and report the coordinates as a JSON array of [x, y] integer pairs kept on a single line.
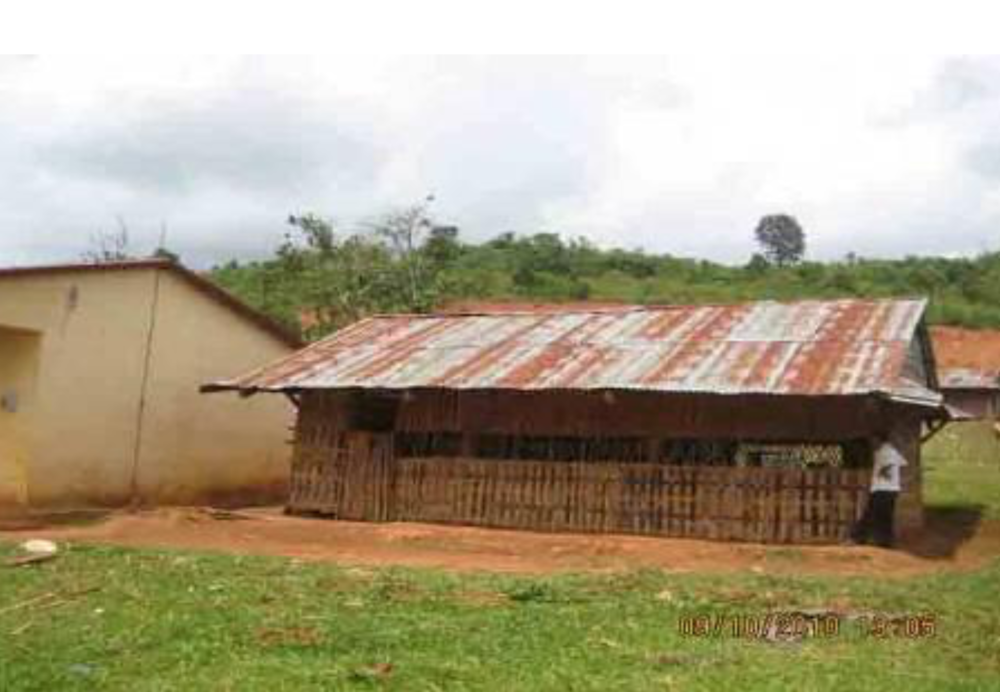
[[340, 283]]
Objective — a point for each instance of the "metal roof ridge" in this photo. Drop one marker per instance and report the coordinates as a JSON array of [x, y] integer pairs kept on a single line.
[[555, 310]]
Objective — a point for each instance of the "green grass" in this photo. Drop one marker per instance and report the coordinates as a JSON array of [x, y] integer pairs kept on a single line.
[[962, 468], [100, 618], [146, 620]]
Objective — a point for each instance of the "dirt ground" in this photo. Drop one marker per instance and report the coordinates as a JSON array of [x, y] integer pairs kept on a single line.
[[948, 544]]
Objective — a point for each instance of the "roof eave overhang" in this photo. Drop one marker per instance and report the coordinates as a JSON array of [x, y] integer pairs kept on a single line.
[[931, 400], [928, 400]]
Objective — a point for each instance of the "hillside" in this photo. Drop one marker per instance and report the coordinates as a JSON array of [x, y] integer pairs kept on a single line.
[[339, 281]]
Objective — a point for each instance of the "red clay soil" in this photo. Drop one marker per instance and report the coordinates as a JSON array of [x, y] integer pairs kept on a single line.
[[268, 531]]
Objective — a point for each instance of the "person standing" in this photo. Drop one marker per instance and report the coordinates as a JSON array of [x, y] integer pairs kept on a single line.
[[877, 522]]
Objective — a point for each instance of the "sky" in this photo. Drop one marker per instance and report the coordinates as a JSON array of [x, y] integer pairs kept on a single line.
[[883, 157]]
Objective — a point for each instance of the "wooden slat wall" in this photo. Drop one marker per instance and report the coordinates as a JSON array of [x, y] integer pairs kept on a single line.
[[352, 474], [770, 505], [351, 478]]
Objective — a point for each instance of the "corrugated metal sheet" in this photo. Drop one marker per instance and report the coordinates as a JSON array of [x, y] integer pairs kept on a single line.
[[809, 347], [958, 347], [967, 378]]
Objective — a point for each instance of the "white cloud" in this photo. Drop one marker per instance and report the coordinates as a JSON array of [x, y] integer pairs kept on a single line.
[[682, 155]]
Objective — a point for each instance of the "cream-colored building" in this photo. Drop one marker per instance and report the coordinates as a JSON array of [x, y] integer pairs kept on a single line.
[[100, 367]]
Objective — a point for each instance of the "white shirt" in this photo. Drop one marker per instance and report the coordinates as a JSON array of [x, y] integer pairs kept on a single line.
[[889, 462]]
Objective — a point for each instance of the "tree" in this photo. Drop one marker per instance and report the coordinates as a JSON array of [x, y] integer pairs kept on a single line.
[[442, 246], [406, 232], [781, 239], [336, 280], [317, 232], [757, 265], [109, 246]]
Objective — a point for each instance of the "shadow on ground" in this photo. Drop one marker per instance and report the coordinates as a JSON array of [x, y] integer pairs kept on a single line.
[[946, 529]]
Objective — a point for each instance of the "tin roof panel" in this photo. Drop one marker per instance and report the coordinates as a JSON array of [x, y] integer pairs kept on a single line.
[[808, 347]]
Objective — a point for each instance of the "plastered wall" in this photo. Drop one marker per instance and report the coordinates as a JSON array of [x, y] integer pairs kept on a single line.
[[115, 414]]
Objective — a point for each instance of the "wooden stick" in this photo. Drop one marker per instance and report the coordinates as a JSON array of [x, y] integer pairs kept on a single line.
[[30, 601]]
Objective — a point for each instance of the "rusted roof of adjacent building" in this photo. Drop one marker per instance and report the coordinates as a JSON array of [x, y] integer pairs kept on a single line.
[[197, 281], [839, 347], [967, 358]]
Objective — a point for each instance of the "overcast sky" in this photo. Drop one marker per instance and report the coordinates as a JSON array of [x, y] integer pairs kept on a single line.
[[876, 156]]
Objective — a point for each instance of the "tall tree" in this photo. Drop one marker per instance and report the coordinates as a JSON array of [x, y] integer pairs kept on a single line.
[[415, 242], [110, 246], [404, 231], [781, 239]]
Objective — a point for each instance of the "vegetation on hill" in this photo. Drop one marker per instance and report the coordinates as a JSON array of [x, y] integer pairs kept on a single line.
[[405, 262]]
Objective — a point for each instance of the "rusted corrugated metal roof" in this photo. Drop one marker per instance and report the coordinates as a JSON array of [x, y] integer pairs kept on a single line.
[[967, 378], [810, 347], [967, 358]]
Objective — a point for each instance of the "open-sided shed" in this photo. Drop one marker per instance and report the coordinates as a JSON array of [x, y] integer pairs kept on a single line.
[[747, 422]]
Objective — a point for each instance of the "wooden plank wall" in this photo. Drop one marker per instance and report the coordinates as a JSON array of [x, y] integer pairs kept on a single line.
[[353, 477], [771, 505], [347, 473]]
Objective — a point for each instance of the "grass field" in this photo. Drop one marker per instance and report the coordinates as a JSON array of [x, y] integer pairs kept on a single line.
[[106, 618], [962, 468], [116, 619]]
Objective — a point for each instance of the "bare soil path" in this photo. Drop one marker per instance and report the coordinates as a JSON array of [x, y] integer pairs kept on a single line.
[[944, 547]]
